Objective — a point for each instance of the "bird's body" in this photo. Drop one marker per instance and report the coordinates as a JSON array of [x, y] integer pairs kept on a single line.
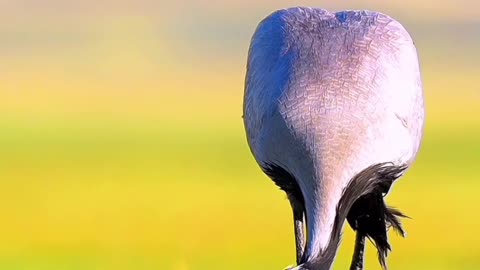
[[327, 96]]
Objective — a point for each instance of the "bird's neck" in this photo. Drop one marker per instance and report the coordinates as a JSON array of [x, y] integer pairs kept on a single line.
[[326, 207], [323, 225]]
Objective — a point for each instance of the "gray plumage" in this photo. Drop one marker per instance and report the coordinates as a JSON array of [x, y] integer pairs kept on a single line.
[[327, 96]]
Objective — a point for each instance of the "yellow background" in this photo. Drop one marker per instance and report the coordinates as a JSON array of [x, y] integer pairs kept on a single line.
[[122, 143]]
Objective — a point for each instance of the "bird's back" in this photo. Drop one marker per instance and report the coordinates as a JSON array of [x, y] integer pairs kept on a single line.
[[343, 87]]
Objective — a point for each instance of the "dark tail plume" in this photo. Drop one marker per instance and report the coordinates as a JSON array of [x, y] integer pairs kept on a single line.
[[369, 215]]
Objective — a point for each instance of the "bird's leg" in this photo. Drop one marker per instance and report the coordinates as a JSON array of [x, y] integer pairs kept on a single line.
[[357, 259], [298, 211]]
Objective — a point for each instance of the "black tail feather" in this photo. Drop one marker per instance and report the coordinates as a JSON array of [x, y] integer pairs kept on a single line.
[[392, 217], [380, 238], [371, 217], [383, 247]]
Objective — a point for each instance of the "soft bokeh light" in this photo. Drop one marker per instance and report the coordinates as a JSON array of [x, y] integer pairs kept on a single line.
[[123, 144]]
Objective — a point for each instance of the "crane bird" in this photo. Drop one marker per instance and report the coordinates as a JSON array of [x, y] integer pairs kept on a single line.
[[334, 114]]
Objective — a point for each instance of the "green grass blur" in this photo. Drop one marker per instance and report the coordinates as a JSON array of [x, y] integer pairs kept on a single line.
[[123, 145]]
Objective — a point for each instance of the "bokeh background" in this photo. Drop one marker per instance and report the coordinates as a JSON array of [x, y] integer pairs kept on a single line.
[[122, 143]]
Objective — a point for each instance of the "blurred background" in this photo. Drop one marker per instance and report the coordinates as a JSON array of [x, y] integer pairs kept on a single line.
[[123, 145]]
